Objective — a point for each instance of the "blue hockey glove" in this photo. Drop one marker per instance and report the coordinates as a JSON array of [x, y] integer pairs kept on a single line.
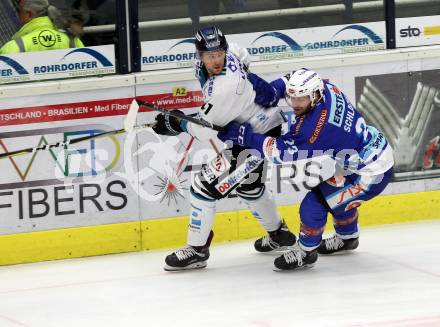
[[238, 134], [244, 136], [266, 95], [230, 133]]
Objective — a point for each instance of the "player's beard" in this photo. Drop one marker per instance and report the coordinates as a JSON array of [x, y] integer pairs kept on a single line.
[[298, 110], [215, 70]]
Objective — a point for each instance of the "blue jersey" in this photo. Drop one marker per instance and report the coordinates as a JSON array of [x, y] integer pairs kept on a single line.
[[335, 128]]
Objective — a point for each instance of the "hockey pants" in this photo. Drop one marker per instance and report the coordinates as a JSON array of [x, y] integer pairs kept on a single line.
[[339, 196]]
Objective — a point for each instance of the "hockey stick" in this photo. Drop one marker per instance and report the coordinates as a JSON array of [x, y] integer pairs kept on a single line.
[[180, 115], [188, 147]]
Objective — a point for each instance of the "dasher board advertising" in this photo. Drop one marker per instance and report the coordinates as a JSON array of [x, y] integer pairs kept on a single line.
[[417, 31], [273, 45], [55, 64]]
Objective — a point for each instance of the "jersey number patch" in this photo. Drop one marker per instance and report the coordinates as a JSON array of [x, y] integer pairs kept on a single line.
[[206, 108]]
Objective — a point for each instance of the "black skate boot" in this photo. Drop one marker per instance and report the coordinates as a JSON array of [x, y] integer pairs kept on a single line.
[[337, 244], [279, 240], [296, 258], [189, 257]]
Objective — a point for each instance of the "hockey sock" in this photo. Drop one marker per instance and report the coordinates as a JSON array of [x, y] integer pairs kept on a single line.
[[200, 220], [346, 224], [263, 208]]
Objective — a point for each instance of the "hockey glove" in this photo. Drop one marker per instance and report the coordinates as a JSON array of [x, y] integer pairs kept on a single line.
[[265, 94], [244, 136], [167, 125], [240, 53], [238, 134]]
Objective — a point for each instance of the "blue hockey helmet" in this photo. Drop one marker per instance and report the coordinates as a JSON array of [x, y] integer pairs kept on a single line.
[[210, 39]]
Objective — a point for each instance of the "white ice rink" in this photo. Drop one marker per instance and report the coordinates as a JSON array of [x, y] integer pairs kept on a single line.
[[393, 279]]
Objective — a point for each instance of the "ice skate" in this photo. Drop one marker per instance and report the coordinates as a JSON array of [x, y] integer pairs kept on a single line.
[[280, 240], [336, 244], [186, 258], [189, 257], [296, 258]]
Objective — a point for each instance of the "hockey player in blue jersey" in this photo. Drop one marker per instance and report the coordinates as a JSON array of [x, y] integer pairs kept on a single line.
[[325, 121]]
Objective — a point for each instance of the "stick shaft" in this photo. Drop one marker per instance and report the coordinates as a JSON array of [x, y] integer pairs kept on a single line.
[[214, 146], [68, 142], [180, 115], [188, 147]]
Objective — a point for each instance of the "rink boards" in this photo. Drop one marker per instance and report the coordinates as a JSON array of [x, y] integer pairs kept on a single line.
[[171, 232], [106, 196]]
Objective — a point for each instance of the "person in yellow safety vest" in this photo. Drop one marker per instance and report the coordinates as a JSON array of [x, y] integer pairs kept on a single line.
[[45, 28]]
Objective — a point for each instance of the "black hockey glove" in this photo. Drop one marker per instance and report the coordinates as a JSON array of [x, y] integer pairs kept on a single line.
[[167, 125]]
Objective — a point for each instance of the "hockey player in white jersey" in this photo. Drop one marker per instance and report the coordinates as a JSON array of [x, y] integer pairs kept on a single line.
[[228, 96]]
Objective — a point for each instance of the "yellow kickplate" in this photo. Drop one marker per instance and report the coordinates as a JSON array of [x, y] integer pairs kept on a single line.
[[69, 243], [172, 232]]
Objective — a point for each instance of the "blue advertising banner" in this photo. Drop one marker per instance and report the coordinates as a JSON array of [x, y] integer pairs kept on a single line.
[[55, 64]]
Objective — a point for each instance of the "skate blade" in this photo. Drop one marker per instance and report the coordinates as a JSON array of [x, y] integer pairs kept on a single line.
[[196, 265], [277, 251], [305, 267], [342, 252]]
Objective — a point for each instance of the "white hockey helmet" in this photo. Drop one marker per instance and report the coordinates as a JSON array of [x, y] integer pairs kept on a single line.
[[304, 82]]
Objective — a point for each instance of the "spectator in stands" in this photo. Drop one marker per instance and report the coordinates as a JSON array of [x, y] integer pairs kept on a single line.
[[45, 28], [100, 12], [78, 18], [78, 13]]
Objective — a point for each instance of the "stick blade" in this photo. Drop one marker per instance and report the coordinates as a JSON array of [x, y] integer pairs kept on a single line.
[[130, 119]]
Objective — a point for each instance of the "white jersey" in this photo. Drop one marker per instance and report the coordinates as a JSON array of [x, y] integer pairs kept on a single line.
[[229, 97]]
